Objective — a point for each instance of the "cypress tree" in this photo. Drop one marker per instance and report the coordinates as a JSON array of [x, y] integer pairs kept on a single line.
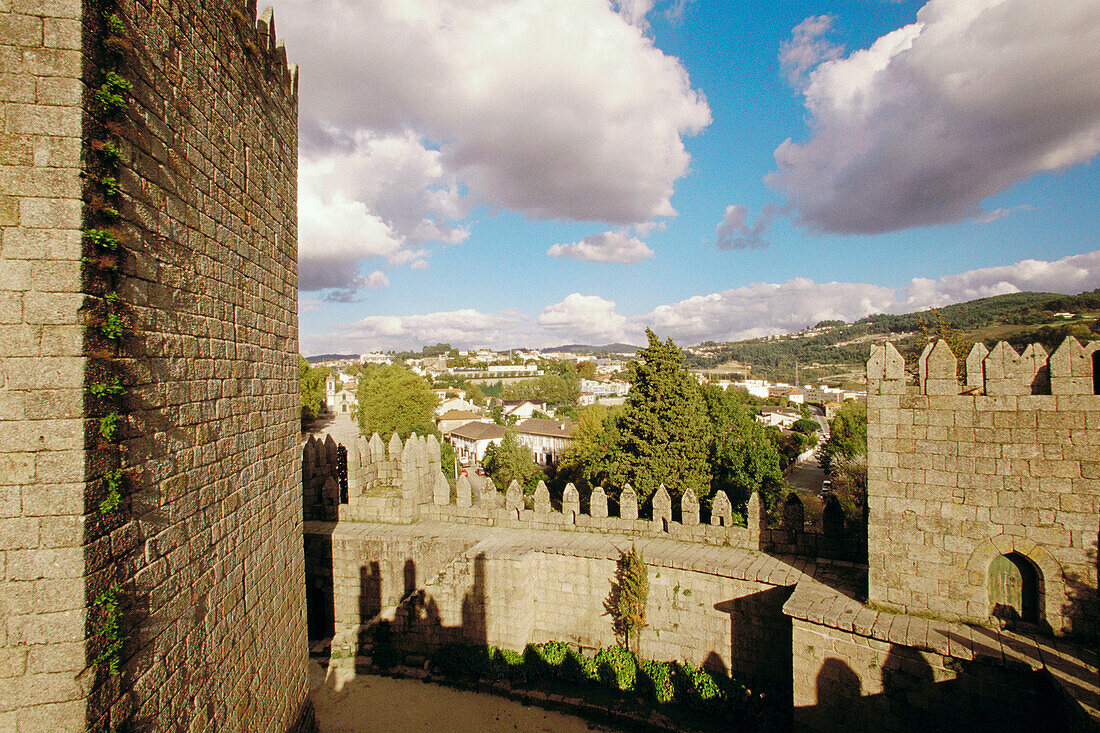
[[665, 430]]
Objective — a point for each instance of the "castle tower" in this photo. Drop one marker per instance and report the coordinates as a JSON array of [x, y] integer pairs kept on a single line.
[[984, 498], [149, 459]]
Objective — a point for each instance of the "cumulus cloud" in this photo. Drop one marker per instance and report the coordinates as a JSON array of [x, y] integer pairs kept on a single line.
[[375, 196], [735, 232], [766, 308], [1072, 274], [583, 317], [760, 309], [806, 49], [617, 246], [410, 107], [939, 115]]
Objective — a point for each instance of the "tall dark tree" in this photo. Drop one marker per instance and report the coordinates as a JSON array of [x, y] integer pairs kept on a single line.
[[664, 429]]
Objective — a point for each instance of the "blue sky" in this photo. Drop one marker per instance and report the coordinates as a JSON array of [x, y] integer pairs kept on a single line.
[[536, 172]]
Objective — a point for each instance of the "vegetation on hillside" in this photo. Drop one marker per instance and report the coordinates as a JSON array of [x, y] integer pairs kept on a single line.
[[1019, 318]]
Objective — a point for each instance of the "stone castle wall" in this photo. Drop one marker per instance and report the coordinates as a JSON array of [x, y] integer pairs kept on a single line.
[[207, 542], [42, 458], [1003, 462]]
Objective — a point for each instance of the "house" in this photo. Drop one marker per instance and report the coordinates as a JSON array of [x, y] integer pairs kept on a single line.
[[783, 417], [455, 404], [342, 398], [546, 438], [794, 394], [471, 440], [452, 419], [522, 409]]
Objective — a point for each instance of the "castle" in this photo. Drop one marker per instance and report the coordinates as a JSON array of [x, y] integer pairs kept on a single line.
[[163, 569], [983, 513]]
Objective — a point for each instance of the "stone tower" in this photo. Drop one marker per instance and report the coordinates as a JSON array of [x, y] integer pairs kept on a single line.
[[150, 505], [984, 493]]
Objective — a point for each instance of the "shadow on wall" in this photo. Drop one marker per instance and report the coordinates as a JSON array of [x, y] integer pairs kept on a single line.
[[761, 651], [981, 697], [415, 625]]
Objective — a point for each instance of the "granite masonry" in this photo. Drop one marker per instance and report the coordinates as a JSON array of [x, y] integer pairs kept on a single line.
[[396, 554], [206, 543]]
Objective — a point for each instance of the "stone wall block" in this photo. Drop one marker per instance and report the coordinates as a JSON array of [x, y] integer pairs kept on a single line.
[[542, 499], [628, 503], [597, 503], [689, 509]]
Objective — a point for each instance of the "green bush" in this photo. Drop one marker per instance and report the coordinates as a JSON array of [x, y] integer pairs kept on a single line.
[[655, 681], [508, 665], [463, 660], [544, 661], [617, 668], [697, 688], [579, 669]]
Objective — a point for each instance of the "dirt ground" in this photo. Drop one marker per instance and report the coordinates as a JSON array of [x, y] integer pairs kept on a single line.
[[371, 704]]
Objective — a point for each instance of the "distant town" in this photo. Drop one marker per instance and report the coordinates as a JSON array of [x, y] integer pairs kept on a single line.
[[474, 411]]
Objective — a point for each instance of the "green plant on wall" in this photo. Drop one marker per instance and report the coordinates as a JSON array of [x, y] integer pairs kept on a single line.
[[629, 597]]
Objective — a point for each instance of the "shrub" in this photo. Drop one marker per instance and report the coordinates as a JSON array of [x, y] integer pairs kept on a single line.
[[463, 660], [655, 681], [697, 688], [508, 665], [544, 661], [617, 668], [579, 669]]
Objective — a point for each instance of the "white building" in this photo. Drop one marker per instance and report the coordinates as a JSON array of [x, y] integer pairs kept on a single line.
[[546, 438], [471, 440], [375, 357], [342, 399], [782, 417]]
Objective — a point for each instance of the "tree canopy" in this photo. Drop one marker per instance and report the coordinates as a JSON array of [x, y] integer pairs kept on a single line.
[[848, 434], [311, 386], [394, 400], [512, 461], [664, 430]]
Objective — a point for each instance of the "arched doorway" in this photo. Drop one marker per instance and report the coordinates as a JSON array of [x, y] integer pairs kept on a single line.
[[1013, 589]]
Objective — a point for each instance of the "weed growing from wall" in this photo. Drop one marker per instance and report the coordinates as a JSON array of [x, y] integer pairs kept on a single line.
[[108, 103]]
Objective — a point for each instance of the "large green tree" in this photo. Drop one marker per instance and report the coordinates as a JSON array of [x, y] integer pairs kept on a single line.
[[394, 400], [664, 428], [744, 458], [311, 386], [512, 461]]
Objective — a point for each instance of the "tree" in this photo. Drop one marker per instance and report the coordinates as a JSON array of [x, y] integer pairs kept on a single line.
[[848, 435], [311, 386], [512, 461], [744, 459], [629, 597], [394, 400], [665, 432], [850, 482]]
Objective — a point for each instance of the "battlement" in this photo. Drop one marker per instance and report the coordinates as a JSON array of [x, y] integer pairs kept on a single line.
[[403, 483], [272, 48], [1071, 370]]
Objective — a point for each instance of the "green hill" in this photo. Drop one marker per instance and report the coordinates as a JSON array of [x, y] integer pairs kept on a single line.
[[834, 351]]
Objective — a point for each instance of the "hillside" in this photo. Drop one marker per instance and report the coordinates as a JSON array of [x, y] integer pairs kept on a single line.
[[834, 351]]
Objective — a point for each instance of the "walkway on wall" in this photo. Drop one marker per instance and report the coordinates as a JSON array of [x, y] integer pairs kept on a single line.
[[827, 593]]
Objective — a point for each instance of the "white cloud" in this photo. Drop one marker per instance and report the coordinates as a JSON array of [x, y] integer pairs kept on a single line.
[[617, 246], [573, 115], [751, 311], [939, 115], [806, 49], [735, 232], [379, 196], [766, 308], [1072, 274], [583, 318]]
